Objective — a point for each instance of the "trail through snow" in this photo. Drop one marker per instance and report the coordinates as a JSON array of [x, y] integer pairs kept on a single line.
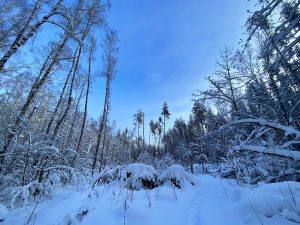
[[212, 201]]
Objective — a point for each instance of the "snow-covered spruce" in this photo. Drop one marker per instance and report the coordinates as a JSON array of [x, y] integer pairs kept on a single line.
[[176, 176]]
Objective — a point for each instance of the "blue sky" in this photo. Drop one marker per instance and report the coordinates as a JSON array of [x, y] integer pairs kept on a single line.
[[166, 50]]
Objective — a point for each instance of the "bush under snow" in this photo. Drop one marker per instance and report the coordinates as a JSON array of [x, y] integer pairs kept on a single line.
[[107, 176], [139, 176], [175, 175], [134, 176]]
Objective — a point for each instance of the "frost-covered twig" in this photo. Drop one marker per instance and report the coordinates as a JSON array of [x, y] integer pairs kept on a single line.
[[255, 212], [37, 202]]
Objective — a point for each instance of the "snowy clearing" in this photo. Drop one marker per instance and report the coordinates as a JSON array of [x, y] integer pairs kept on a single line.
[[211, 201]]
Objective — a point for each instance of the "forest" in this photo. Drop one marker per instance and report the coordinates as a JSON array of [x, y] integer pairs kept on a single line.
[[243, 130]]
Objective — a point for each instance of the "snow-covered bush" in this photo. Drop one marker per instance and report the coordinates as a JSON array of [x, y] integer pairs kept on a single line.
[[138, 176], [205, 168], [62, 175], [134, 176], [176, 176], [251, 168], [227, 171], [107, 175], [27, 194]]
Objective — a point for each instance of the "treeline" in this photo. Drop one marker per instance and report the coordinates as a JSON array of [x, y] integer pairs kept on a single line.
[[250, 115], [47, 67]]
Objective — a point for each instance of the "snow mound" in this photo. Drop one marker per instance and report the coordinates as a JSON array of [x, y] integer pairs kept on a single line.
[[138, 176], [176, 176]]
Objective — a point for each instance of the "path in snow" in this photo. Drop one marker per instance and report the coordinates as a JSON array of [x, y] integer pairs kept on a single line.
[[222, 202], [214, 204]]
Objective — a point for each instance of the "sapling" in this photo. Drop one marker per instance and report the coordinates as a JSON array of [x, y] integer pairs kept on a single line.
[[126, 195], [131, 195], [37, 202], [289, 202], [148, 193], [255, 212], [174, 193], [157, 194]]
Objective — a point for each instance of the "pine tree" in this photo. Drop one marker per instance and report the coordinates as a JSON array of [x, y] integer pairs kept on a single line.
[[166, 114]]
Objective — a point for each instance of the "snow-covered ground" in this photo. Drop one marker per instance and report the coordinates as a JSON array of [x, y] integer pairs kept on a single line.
[[212, 201]]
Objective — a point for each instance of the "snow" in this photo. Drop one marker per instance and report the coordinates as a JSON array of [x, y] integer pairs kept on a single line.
[[212, 201], [3, 211], [175, 175], [135, 175]]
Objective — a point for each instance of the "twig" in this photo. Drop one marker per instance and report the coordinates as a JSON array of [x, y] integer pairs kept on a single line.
[[255, 212], [36, 204]]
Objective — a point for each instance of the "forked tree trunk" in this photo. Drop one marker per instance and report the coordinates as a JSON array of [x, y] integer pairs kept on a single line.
[[22, 38], [80, 46], [61, 120], [86, 100], [109, 55], [61, 96]]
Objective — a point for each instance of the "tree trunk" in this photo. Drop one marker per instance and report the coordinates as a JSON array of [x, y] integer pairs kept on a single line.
[[103, 121], [138, 136], [279, 99], [80, 46], [40, 81], [21, 39], [86, 101], [74, 118], [144, 130], [109, 52], [103, 146], [164, 125], [61, 120], [61, 96]]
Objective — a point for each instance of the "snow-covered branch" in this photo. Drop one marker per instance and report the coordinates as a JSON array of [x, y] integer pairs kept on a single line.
[[295, 155], [288, 130]]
